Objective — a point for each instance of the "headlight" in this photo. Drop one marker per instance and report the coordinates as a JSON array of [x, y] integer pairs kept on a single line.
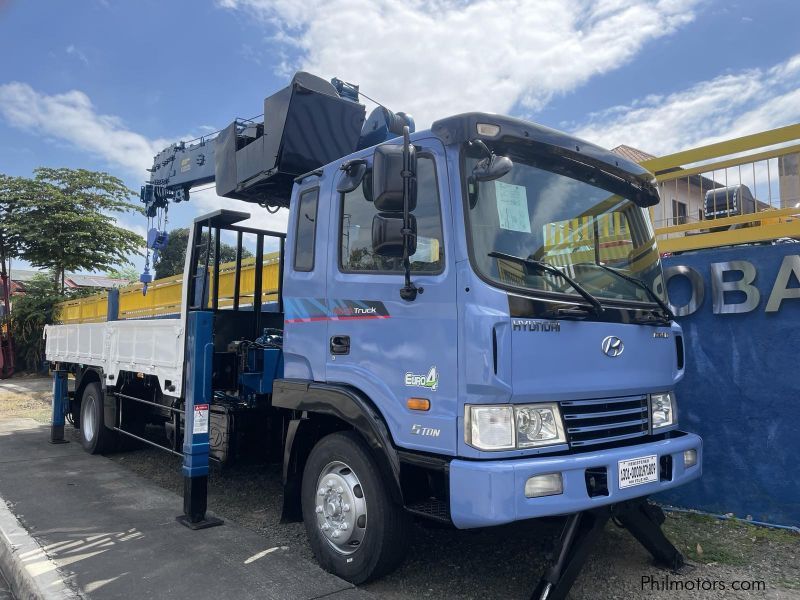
[[663, 410], [538, 425], [507, 427]]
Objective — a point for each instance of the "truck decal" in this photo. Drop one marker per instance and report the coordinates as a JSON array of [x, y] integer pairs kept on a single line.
[[428, 381], [308, 310]]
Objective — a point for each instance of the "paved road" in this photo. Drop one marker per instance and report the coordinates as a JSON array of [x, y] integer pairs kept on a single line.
[[497, 563], [113, 534], [27, 385]]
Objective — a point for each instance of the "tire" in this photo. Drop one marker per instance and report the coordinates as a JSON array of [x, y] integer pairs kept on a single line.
[[363, 550], [95, 436]]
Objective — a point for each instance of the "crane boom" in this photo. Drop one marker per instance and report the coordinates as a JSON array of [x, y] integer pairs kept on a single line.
[[306, 125]]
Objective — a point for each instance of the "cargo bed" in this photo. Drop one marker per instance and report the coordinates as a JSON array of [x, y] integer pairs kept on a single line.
[[149, 346]]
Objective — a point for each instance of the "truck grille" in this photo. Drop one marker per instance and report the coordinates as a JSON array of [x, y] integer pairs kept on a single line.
[[606, 420]]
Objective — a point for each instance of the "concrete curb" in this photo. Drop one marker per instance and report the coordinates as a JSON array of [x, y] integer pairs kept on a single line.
[[25, 565]]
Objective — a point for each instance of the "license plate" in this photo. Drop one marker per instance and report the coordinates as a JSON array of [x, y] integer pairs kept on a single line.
[[636, 471]]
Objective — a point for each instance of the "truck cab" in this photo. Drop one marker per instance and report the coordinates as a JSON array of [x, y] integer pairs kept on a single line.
[[533, 374]]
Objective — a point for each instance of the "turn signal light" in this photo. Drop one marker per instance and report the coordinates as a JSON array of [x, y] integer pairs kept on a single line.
[[418, 404]]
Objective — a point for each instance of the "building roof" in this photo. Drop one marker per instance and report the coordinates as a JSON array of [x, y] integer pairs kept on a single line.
[[632, 154], [639, 156], [24, 274], [71, 280], [102, 281]]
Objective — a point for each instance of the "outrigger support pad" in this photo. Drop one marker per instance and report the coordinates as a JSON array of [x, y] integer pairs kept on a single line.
[[195, 494], [581, 531]]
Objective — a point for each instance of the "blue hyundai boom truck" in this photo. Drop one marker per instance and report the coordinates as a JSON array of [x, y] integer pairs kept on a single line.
[[469, 326]]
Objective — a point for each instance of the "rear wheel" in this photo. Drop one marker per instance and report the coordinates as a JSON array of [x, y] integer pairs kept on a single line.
[[355, 529], [95, 436]]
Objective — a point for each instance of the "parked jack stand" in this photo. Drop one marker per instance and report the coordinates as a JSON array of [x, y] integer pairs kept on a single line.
[[60, 404], [195, 490], [582, 529], [199, 351]]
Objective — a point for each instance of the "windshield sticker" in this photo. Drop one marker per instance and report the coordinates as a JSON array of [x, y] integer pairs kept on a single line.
[[512, 206], [427, 250], [429, 381]]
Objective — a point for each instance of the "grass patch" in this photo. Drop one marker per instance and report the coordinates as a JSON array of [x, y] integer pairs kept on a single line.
[[707, 539]]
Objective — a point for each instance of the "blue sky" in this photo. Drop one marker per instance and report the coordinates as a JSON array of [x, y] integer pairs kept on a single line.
[[106, 84]]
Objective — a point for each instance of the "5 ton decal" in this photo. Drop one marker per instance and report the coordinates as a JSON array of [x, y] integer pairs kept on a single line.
[[429, 381], [428, 431]]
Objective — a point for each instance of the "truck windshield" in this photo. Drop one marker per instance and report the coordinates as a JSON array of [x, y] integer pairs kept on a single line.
[[546, 211]]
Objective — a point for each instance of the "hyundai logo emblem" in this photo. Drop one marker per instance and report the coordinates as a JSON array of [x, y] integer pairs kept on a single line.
[[612, 346]]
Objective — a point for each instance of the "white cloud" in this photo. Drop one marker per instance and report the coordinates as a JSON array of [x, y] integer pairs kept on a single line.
[[440, 57], [71, 117], [728, 106], [207, 200], [72, 50]]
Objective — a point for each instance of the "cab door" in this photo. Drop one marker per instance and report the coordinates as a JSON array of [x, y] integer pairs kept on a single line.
[[305, 282], [389, 348]]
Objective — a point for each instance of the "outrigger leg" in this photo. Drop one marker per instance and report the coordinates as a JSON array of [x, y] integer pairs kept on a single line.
[[644, 521], [60, 407], [581, 531], [196, 446]]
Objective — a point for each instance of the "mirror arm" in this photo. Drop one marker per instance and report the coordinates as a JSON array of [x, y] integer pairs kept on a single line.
[[354, 170], [349, 165], [480, 144], [409, 290]]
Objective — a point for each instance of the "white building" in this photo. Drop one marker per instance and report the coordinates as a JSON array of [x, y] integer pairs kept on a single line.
[[682, 200], [789, 180]]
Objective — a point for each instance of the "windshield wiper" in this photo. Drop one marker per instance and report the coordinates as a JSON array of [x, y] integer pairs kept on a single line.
[[539, 264], [635, 281]]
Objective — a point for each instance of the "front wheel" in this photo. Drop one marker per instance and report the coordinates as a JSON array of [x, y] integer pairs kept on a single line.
[[355, 529]]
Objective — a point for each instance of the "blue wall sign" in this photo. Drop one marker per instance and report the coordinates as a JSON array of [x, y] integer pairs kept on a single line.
[[740, 312]]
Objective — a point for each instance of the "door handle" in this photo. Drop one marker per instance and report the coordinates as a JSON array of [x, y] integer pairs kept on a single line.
[[340, 344]]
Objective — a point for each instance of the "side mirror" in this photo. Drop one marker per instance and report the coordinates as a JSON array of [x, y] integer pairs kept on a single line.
[[492, 167], [387, 234], [387, 178]]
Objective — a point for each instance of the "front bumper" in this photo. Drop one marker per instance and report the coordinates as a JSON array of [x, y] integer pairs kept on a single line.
[[484, 493]]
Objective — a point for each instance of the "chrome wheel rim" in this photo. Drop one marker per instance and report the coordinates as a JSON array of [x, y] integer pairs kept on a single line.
[[88, 424], [341, 507]]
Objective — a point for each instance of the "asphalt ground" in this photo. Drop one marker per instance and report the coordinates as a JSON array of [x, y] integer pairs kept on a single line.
[[110, 534], [506, 562]]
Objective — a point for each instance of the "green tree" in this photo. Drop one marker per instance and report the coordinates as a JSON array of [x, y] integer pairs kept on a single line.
[[171, 260], [65, 221], [130, 273], [10, 243], [31, 312]]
